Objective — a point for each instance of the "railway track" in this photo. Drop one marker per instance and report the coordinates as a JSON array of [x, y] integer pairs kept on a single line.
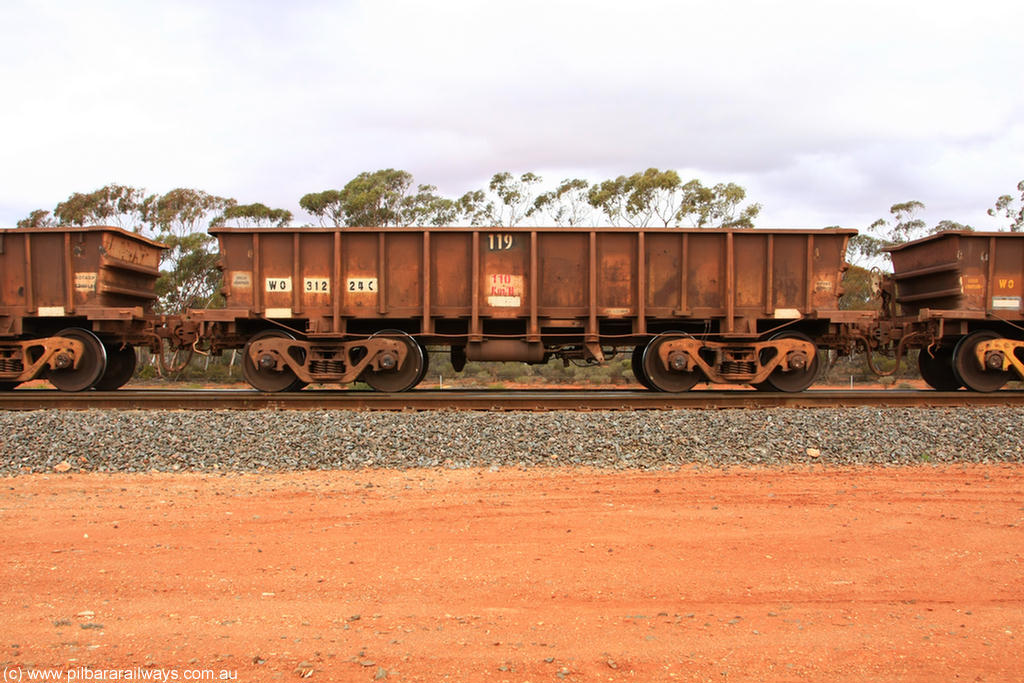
[[489, 400]]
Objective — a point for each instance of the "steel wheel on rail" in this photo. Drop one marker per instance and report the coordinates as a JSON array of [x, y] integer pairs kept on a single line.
[[662, 378], [121, 362], [264, 376], [794, 380], [395, 379], [937, 369], [970, 373], [637, 363], [91, 365]]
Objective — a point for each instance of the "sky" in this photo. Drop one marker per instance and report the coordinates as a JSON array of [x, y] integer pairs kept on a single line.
[[826, 112]]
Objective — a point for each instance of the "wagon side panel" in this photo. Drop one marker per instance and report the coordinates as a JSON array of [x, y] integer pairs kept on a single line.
[[706, 274], [617, 274], [1006, 290], [237, 265], [827, 259], [451, 273], [15, 291], [666, 283], [563, 278], [403, 269], [361, 284]]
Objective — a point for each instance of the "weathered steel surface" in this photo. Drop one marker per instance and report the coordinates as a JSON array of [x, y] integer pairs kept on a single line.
[[969, 275], [97, 273], [134, 399], [599, 284]]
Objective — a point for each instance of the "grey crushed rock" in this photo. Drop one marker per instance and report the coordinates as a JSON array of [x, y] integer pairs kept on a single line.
[[245, 441]]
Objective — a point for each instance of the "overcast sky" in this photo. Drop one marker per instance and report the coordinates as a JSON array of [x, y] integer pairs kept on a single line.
[[827, 112]]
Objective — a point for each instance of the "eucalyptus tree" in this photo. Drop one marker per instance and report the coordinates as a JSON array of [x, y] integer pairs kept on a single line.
[[1010, 208], [254, 215], [567, 204], [381, 198], [656, 196], [506, 201]]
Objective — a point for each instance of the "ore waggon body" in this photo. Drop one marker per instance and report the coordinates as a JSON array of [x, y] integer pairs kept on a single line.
[[74, 302], [960, 299], [334, 305]]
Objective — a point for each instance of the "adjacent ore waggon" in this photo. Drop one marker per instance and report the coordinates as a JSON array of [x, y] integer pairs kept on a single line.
[[339, 305], [958, 298], [74, 302]]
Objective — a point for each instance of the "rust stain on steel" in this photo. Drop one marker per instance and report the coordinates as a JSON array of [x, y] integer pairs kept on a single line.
[[100, 272], [468, 283], [961, 271]]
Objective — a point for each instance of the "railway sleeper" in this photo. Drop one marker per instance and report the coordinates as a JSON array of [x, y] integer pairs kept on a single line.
[[22, 361], [732, 363]]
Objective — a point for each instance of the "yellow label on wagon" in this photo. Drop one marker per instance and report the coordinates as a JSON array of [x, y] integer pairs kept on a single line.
[[504, 290], [85, 282]]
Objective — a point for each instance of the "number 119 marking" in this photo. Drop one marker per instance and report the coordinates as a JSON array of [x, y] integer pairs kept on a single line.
[[499, 242]]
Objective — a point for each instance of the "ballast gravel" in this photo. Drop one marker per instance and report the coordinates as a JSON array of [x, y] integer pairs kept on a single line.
[[248, 441]]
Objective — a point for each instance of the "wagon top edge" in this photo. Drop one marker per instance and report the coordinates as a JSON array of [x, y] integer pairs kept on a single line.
[[551, 229], [952, 233], [84, 229]]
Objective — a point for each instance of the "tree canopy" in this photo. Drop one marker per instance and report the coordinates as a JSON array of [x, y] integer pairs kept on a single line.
[[380, 198], [568, 204], [661, 197], [1011, 208], [255, 215]]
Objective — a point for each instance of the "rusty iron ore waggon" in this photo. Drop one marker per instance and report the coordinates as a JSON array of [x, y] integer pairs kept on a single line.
[[336, 305], [958, 298], [74, 304]]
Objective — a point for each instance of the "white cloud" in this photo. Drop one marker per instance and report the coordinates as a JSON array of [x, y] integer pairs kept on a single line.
[[828, 112]]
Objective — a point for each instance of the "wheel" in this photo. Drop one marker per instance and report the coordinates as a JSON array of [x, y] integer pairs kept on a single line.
[[269, 379], [792, 381], [970, 373], [91, 365], [120, 367], [637, 363], [661, 378], [937, 369], [398, 378]]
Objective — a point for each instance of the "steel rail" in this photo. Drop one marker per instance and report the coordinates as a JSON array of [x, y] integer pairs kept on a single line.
[[489, 400]]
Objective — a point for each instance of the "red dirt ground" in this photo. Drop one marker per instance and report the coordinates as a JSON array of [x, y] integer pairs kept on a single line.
[[909, 574]]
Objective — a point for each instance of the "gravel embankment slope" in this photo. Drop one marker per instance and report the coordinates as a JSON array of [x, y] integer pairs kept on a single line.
[[129, 441]]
